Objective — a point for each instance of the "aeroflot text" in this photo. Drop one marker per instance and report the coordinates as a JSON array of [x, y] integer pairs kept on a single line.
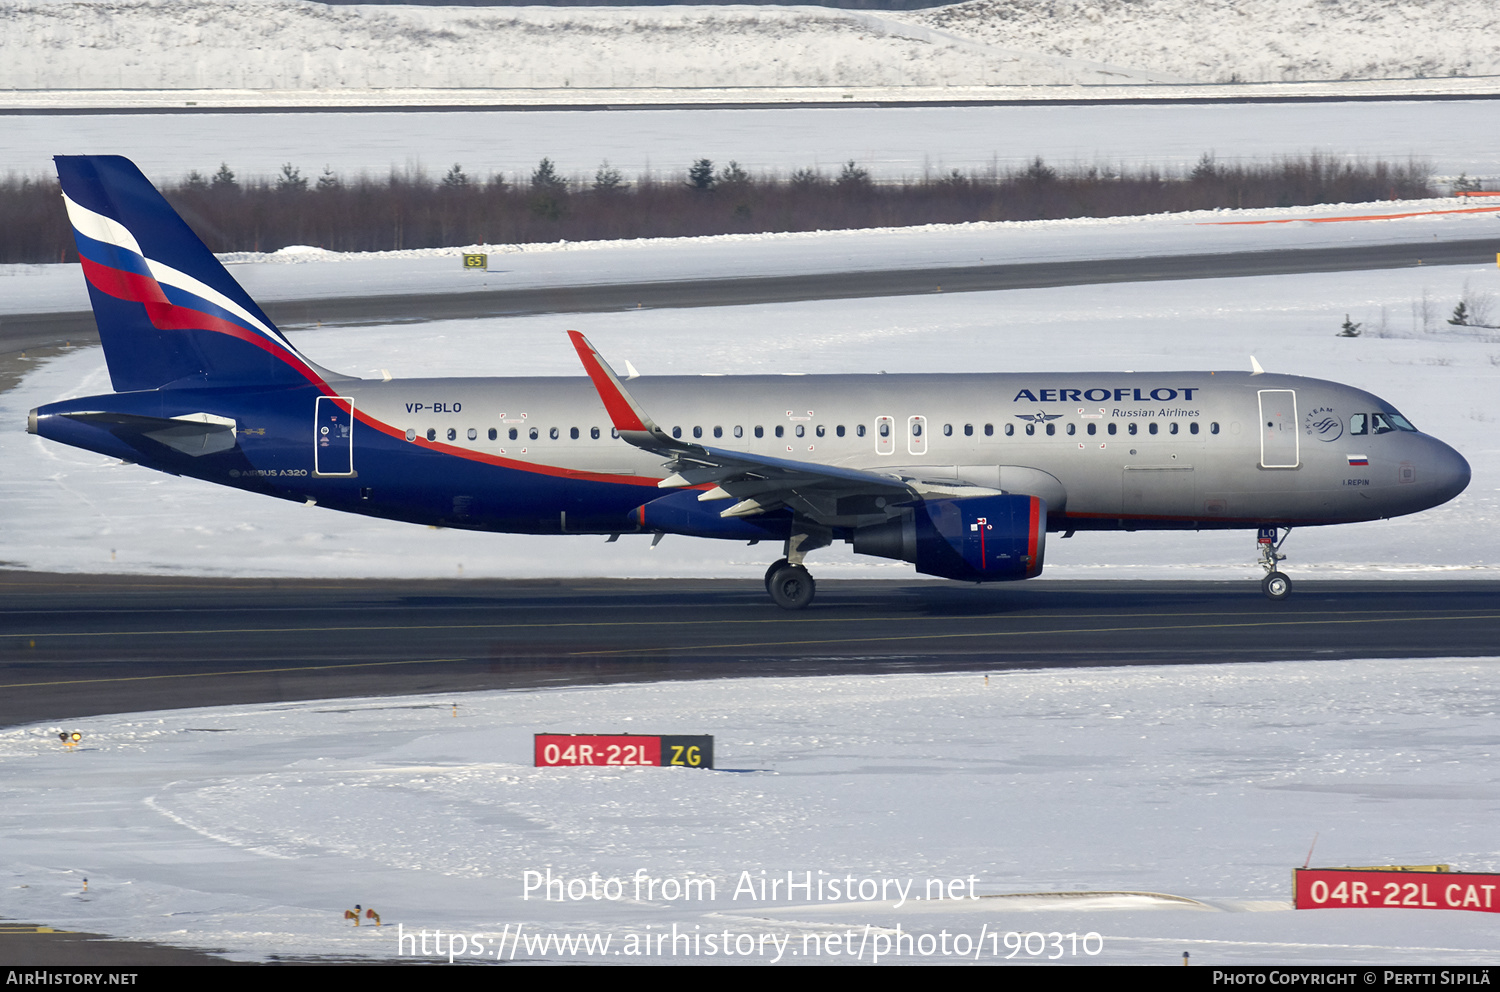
[[1161, 394]]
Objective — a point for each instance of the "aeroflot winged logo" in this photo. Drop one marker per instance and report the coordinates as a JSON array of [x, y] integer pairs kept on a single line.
[[136, 251], [1160, 394]]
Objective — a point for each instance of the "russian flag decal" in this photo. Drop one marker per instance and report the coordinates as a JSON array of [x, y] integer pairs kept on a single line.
[[1359, 460]]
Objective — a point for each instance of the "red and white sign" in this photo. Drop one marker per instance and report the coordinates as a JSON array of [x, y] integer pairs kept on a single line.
[[1348, 888]]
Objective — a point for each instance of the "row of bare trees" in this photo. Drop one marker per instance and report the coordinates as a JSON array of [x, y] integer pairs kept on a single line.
[[411, 210]]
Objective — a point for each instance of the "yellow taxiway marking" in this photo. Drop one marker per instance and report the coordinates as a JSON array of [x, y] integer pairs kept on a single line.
[[722, 622], [1032, 633], [246, 671]]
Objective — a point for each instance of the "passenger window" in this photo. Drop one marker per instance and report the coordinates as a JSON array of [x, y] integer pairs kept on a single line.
[[411, 433], [885, 428], [552, 433], [916, 428], [1173, 428], [1131, 429], [989, 430], [453, 434], [594, 433], [473, 434], [1213, 428], [1111, 429], [573, 433], [534, 433], [780, 430], [697, 432], [1051, 429], [859, 431], [1030, 430], [614, 432], [677, 432], [739, 431], [1072, 429], [512, 433], [1151, 427], [718, 432], [494, 434], [1010, 430], [968, 430], [1093, 428], [1193, 427], [760, 431], [801, 430], [839, 430], [819, 431], [431, 434], [947, 430]]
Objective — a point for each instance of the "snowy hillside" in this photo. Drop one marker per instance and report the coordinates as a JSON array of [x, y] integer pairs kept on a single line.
[[287, 44], [293, 45], [1242, 40]]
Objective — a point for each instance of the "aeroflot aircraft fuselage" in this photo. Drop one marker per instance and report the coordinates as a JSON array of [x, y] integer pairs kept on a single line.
[[961, 474]]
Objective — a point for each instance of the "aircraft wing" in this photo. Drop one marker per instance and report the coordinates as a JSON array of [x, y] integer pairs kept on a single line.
[[758, 483]]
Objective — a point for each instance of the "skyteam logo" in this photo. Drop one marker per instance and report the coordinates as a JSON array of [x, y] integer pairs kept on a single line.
[[1323, 424]]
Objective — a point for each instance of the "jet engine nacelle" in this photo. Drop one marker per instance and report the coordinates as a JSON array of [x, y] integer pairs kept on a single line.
[[974, 538]]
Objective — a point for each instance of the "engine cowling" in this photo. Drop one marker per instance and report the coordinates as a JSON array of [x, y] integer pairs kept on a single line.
[[974, 538]]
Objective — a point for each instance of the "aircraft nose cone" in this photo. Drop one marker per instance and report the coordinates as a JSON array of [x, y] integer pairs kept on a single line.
[[1450, 473]]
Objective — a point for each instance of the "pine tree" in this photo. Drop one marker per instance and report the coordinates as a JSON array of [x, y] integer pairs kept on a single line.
[[852, 177], [1350, 328], [1460, 316], [291, 179], [224, 178], [546, 180], [328, 181], [608, 179], [701, 175], [455, 179]]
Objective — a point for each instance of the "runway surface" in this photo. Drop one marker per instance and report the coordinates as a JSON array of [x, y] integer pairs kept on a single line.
[[31, 331], [80, 645]]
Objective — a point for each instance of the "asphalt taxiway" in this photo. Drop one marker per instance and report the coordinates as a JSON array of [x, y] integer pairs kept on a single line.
[[72, 646]]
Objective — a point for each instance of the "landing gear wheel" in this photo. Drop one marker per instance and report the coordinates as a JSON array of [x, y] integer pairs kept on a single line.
[[792, 587], [1276, 586], [776, 566]]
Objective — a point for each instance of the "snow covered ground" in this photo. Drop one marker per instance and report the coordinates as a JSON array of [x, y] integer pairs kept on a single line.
[[287, 45], [1231, 40], [252, 828], [892, 142], [68, 510]]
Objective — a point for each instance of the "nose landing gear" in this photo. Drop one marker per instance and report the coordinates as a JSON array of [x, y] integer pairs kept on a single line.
[[1276, 585]]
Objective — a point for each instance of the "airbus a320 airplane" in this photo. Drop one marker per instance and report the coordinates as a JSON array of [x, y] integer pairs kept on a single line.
[[961, 475]]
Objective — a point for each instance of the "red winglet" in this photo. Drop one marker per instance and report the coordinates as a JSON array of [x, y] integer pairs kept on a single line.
[[622, 410]]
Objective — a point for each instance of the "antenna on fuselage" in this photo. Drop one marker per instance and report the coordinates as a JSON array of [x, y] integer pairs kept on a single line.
[[1255, 368]]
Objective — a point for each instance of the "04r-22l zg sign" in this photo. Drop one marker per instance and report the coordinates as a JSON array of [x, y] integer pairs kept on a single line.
[[625, 750]]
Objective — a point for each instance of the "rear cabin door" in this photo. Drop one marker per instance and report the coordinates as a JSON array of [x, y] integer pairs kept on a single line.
[[333, 436]]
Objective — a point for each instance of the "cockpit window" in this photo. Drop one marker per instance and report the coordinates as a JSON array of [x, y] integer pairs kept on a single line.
[[1401, 423], [1379, 425], [1359, 424]]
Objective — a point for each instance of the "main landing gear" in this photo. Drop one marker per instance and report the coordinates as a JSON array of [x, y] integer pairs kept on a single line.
[[790, 584], [1276, 585]]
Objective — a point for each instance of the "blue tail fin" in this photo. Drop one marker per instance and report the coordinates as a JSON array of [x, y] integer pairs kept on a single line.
[[168, 312]]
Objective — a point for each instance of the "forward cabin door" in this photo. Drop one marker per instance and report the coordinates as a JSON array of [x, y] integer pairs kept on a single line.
[[333, 436], [1279, 440]]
